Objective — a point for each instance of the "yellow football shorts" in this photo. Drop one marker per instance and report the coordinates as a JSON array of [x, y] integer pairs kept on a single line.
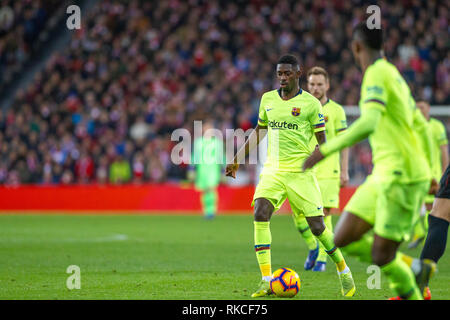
[[389, 206], [300, 188]]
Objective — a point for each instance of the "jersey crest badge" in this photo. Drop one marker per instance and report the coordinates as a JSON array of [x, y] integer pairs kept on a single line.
[[295, 111]]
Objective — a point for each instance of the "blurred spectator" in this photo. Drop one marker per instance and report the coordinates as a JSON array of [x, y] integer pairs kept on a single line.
[[84, 168], [119, 171]]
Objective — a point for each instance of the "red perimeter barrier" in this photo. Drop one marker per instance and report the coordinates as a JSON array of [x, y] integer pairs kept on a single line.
[[147, 198]]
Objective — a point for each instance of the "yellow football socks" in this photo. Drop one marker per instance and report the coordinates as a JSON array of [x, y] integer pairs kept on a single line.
[[263, 239]]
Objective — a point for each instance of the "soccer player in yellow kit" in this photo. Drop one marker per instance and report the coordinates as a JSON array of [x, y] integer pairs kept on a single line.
[[332, 173], [290, 117], [440, 163], [387, 201]]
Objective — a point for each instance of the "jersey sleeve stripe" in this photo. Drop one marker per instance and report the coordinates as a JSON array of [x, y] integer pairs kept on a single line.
[[261, 120], [319, 125], [376, 101]]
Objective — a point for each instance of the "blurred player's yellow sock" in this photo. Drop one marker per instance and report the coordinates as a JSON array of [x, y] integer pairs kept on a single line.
[[326, 239], [406, 259], [322, 254], [401, 279], [263, 239], [303, 227], [411, 262]]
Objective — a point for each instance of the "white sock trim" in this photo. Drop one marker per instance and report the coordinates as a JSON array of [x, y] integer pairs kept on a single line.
[[346, 270]]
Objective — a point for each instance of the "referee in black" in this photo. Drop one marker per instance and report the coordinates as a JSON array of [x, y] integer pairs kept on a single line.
[[438, 221]]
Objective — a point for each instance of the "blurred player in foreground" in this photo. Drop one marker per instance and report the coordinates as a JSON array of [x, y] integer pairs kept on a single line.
[[436, 241], [440, 151], [206, 168], [389, 199], [332, 173], [290, 117]]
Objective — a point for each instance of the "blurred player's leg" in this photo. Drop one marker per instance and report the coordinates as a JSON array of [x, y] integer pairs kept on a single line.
[[438, 221], [421, 225], [209, 202], [436, 241], [325, 237], [321, 262], [329, 189], [304, 197], [311, 241], [397, 206]]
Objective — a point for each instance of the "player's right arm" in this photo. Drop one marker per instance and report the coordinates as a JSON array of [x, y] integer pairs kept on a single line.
[[317, 121], [252, 141]]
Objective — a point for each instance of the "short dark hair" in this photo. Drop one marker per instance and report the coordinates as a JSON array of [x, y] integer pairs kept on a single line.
[[317, 71], [372, 38], [288, 59]]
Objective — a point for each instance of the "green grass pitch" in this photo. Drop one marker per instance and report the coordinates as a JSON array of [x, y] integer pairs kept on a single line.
[[163, 257]]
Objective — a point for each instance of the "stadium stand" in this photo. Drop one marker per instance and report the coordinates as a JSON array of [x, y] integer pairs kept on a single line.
[[103, 108], [23, 30]]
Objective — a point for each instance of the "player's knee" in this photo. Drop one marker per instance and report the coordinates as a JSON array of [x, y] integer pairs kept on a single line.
[[316, 226], [317, 230], [380, 256], [263, 210]]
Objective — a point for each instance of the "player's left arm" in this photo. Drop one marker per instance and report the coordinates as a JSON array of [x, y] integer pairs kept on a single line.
[[321, 137], [317, 121]]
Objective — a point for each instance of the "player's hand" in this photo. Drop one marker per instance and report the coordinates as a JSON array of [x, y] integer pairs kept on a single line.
[[315, 157], [230, 170], [344, 179], [434, 187]]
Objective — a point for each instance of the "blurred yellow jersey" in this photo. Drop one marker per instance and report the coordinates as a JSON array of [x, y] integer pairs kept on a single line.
[[396, 149], [439, 138], [335, 122]]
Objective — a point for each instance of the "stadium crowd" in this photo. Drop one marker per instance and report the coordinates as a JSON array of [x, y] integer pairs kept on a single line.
[[21, 24], [103, 109]]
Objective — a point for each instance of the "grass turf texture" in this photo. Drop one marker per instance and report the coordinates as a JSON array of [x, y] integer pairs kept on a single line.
[[163, 257]]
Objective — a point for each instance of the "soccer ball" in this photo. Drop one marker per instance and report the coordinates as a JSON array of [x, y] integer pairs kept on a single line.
[[285, 283]]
